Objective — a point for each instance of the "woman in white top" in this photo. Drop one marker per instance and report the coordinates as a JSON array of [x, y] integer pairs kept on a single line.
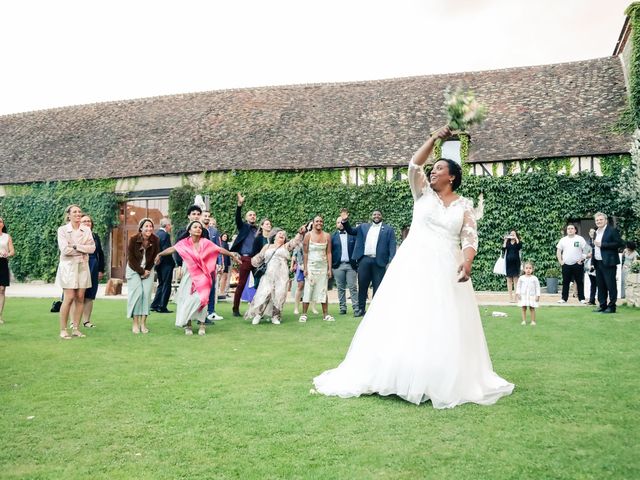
[[75, 243], [6, 251], [422, 337]]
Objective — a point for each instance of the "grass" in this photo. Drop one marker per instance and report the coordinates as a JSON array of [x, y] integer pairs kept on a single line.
[[236, 403]]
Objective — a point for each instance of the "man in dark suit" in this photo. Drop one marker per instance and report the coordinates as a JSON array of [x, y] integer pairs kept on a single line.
[[606, 259], [164, 270], [374, 249], [210, 225], [344, 267], [243, 244]]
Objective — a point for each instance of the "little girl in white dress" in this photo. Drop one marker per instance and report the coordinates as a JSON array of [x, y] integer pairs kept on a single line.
[[528, 293]]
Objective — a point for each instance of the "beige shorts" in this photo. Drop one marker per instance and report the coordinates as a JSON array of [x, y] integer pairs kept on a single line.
[[73, 275]]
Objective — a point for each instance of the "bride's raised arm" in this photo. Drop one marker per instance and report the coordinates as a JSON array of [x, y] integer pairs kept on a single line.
[[417, 178]]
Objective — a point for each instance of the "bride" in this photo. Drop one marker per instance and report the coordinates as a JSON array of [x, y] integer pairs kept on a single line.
[[422, 338]]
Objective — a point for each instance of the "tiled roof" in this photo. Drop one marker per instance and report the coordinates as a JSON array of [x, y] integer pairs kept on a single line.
[[543, 111]]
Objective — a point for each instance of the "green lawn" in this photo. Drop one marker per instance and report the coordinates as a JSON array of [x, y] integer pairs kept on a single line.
[[236, 403]]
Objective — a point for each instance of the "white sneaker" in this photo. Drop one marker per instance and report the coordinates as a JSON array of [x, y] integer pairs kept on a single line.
[[584, 302], [275, 321], [562, 301], [329, 318], [256, 320], [213, 316]]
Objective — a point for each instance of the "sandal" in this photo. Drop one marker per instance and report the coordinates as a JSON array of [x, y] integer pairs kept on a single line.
[[77, 333], [65, 335], [144, 329], [188, 331], [88, 324], [135, 330], [329, 318], [202, 331], [303, 318]]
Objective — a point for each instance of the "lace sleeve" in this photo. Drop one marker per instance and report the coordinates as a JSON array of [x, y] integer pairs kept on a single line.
[[417, 179], [469, 231]]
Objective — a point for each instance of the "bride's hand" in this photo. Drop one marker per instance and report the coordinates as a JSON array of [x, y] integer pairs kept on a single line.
[[464, 272]]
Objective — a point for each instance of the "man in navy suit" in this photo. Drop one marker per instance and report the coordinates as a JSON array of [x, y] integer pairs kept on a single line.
[[243, 244], [344, 267], [374, 250], [164, 269], [606, 259], [210, 226]]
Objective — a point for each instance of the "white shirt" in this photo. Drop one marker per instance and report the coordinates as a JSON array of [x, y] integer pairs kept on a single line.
[[596, 251], [344, 240], [572, 249], [371, 241]]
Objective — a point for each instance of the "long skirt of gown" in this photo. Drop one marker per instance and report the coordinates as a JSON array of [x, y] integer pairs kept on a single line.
[[422, 337], [187, 303]]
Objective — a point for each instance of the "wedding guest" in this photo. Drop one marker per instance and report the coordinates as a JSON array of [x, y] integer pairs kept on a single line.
[[226, 267], [317, 269], [96, 268], [606, 260], [629, 255], [75, 243], [374, 249], [570, 252], [344, 267], [272, 290], [590, 267], [243, 244], [511, 247], [528, 293], [6, 251], [200, 257], [297, 266], [211, 227], [141, 253], [164, 270]]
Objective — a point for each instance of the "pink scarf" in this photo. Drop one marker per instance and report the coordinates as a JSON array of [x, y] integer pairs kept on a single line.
[[200, 264]]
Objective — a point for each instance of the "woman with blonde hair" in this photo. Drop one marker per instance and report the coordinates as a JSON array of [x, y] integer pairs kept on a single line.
[[76, 244], [141, 253], [6, 251], [272, 290]]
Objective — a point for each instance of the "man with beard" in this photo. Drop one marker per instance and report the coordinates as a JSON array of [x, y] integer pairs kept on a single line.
[[374, 250], [243, 244]]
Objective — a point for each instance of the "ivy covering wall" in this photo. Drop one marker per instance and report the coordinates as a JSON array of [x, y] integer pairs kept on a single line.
[[537, 204], [34, 212]]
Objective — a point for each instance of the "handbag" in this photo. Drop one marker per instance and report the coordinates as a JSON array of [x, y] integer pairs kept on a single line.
[[500, 267], [55, 306], [262, 269]]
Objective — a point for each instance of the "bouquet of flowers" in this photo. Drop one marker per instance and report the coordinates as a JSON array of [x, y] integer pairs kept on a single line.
[[463, 110]]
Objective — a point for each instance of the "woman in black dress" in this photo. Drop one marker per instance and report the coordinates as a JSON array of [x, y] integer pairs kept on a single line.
[[511, 248], [96, 268], [6, 251]]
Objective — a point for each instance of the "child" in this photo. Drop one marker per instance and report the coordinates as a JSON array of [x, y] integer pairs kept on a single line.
[[528, 293]]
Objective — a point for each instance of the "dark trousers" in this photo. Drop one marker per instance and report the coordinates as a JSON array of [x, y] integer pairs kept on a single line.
[[593, 286], [245, 269], [369, 273], [576, 273], [163, 292], [211, 307], [607, 288]]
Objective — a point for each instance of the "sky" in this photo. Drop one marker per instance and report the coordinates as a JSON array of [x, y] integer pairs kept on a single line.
[[68, 52]]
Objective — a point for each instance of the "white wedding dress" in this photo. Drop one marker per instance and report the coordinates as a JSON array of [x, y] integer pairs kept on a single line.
[[422, 337]]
